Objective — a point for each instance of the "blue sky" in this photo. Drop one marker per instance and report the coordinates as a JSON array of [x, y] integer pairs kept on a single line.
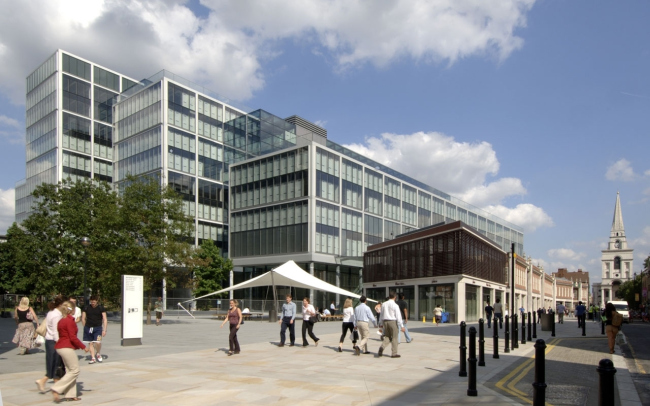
[[534, 110]]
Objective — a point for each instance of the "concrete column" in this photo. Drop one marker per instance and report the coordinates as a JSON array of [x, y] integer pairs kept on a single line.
[[416, 300], [232, 283], [338, 285], [602, 297], [460, 302], [311, 291]]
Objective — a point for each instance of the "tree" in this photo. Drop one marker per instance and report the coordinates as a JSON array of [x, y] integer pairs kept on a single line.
[[160, 233], [208, 276], [628, 290]]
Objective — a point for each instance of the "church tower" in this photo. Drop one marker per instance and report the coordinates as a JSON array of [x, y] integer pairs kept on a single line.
[[617, 259]]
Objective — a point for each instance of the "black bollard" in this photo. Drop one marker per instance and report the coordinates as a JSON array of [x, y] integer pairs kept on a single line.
[[495, 344], [523, 328], [481, 343], [463, 350], [553, 326], [584, 324], [514, 338], [507, 349], [539, 386], [534, 324], [529, 328], [602, 327], [606, 392], [471, 382]]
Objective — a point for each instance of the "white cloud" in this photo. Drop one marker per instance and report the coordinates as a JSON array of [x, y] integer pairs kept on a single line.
[[10, 130], [620, 170], [225, 50], [641, 247], [458, 168], [565, 254], [647, 173], [7, 209], [525, 215]]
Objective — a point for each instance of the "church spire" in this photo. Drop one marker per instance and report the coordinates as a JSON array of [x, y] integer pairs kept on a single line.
[[618, 229]]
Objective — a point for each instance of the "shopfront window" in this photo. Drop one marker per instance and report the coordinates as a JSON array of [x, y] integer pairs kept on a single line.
[[471, 303], [433, 295]]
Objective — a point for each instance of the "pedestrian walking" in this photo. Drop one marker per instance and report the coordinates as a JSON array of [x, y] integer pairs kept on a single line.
[[362, 317], [52, 358], [378, 310], [287, 322], [95, 327], [437, 314], [234, 317], [404, 312], [581, 313], [560, 313], [391, 321], [613, 323], [540, 311], [498, 311], [488, 314], [65, 347], [309, 318], [158, 308], [348, 324], [25, 318]]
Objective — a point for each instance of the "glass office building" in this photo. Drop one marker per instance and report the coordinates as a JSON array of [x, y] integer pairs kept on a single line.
[[264, 188]]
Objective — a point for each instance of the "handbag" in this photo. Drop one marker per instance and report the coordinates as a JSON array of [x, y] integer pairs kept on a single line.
[[313, 319], [355, 336], [42, 329]]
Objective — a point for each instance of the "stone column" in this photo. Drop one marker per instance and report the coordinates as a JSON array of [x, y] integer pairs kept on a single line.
[[311, 291], [338, 285]]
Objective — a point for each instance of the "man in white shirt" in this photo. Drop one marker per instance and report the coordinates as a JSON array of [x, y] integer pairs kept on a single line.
[[390, 320], [77, 310]]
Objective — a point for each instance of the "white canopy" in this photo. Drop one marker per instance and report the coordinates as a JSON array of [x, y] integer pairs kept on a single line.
[[287, 274]]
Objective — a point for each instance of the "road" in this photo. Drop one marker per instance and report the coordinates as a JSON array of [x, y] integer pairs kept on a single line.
[[637, 357]]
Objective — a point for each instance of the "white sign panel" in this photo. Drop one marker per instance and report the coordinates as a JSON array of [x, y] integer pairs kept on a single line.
[[132, 309]]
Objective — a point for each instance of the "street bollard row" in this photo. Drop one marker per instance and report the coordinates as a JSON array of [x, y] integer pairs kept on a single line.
[[507, 332], [529, 329], [495, 344], [534, 325], [471, 382], [481, 343], [463, 350], [523, 329]]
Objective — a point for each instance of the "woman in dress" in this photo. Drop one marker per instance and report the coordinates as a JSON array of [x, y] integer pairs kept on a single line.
[[307, 325], [25, 319], [235, 318], [610, 329], [348, 323], [65, 347], [52, 359]]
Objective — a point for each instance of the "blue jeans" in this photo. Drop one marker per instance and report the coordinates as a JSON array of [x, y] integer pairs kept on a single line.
[[406, 334], [500, 317], [489, 319]]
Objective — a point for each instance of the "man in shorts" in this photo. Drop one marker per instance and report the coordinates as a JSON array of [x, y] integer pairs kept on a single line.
[[159, 310], [95, 325]]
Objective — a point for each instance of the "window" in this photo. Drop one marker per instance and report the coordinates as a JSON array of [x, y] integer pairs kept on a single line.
[[107, 79], [76, 67]]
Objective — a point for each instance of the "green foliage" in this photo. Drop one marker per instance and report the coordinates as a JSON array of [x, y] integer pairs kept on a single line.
[[212, 270], [141, 231], [628, 290]]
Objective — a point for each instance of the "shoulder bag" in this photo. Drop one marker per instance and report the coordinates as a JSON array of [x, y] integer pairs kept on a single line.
[[42, 329], [617, 319]]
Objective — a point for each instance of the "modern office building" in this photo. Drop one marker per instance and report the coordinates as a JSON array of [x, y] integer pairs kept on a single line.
[[265, 189]]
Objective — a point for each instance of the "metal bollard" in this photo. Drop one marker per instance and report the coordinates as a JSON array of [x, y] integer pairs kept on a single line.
[[463, 350], [507, 349], [471, 382], [481, 343], [584, 324], [495, 344], [602, 327], [534, 324], [553, 326], [514, 338], [523, 328], [606, 373], [529, 328], [539, 386]]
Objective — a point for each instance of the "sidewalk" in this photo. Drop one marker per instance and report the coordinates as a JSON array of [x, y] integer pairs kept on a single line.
[[184, 362]]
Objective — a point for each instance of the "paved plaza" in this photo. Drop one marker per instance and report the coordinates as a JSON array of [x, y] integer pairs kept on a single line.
[[184, 362]]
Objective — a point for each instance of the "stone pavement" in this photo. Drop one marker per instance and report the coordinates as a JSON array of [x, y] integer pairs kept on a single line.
[[184, 362]]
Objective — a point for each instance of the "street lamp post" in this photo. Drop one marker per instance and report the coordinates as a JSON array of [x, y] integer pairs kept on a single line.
[[85, 241]]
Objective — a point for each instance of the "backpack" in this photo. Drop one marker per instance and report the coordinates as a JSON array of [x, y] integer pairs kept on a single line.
[[617, 319]]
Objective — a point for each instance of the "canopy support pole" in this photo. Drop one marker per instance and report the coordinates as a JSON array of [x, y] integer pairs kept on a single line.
[[275, 298]]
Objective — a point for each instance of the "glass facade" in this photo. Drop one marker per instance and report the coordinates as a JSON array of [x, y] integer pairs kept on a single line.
[[434, 295]]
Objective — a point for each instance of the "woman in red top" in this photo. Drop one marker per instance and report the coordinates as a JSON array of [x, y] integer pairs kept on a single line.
[[68, 342]]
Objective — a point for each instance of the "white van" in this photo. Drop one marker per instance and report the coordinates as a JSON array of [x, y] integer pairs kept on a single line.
[[623, 308]]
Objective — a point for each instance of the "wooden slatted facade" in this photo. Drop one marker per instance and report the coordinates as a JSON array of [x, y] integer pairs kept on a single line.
[[450, 249]]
